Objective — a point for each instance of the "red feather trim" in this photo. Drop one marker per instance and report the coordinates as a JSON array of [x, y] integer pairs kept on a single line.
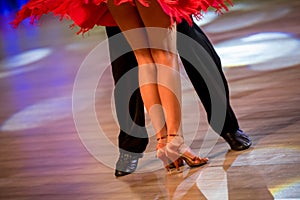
[[88, 13]]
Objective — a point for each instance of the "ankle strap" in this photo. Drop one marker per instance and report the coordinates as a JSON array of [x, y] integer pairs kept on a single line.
[[160, 138], [173, 135]]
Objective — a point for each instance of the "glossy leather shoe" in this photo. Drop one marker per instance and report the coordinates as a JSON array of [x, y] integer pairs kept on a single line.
[[127, 163], [237, 141]]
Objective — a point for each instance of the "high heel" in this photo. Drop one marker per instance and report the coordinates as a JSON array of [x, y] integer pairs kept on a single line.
[[160, 151], [176, 148]]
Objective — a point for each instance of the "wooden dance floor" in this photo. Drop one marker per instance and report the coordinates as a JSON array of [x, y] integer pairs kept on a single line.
[[58, 128]]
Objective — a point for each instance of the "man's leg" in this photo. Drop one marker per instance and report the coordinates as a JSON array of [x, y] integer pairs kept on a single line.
[[133, 139], [236, 138]]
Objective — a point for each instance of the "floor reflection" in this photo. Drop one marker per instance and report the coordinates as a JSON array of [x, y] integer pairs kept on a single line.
[[241, 176], [39, 114], [237, 18], [260, 51]]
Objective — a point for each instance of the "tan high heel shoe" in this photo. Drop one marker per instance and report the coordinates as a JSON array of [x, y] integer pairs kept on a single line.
[[161, 154], [176, 148]]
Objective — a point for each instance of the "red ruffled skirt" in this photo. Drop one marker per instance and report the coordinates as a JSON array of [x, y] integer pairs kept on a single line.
[[88, 13]]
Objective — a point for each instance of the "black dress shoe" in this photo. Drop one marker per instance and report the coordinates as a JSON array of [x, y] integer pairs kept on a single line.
[[127, 163], [237, 141]]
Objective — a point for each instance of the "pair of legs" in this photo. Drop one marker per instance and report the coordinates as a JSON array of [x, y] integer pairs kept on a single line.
[[135, 140], [159, 79]]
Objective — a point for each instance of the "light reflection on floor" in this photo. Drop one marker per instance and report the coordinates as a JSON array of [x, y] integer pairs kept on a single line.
[[260, 51], [221, 177], [211, 180], [237, 18], [17, 64], [242, 20], [269, 156], [41, 113], [286, 189]]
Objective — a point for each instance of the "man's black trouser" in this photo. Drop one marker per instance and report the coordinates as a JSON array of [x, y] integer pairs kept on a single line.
[[135, 140]]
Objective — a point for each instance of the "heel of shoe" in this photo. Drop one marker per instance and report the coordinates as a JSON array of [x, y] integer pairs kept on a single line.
[[177, 149]]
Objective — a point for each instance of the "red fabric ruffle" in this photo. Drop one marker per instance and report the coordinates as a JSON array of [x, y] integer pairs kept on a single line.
[[88, 13], [84, 14], [182, 9]]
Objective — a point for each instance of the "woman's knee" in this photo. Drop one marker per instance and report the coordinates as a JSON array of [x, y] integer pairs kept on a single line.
[[162, 57]]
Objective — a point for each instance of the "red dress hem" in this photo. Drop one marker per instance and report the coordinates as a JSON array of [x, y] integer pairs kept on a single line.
[[89, 13]]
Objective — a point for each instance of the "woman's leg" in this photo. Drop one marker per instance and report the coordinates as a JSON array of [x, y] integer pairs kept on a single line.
[[165, 72], [162, 41], [128, 18], [163, 51]]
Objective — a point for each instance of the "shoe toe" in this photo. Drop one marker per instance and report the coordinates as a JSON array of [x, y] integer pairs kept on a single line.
[[126, 164], [120, 173], [238, 141]]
